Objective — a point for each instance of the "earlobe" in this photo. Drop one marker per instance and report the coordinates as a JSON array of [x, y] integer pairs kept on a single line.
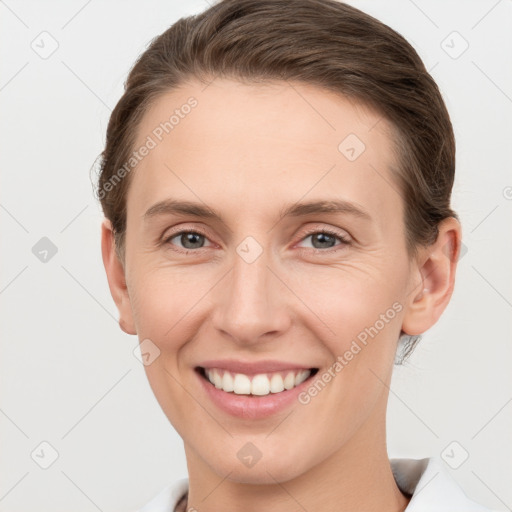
[[116, 278], [433, 280]]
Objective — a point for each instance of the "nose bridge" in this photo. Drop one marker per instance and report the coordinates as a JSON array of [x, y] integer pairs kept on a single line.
[[249, 304]]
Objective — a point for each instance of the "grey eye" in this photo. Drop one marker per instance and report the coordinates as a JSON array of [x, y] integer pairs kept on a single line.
[[324, 240], [189, 239]]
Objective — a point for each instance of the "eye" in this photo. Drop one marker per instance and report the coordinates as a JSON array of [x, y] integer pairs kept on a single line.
[[326, 239], [189, 239]]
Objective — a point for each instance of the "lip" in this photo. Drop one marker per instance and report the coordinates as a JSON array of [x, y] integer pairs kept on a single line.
[[253, 368], [251, 407]]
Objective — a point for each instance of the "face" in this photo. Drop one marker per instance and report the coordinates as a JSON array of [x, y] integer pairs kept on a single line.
[[264, 277]]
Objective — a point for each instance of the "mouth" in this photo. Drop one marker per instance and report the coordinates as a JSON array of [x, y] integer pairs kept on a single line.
[[261, 384]]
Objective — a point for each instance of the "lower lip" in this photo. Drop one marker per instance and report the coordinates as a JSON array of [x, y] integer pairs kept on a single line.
[[252, 407]]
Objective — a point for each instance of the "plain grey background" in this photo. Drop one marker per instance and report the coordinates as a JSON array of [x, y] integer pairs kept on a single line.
[[69, 376]]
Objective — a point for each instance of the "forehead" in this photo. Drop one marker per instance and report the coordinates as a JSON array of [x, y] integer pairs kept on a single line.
[[269, 143]]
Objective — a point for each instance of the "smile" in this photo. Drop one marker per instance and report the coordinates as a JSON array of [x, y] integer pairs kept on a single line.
[[260, 384]]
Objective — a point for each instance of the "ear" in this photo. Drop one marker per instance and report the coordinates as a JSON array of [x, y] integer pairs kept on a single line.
[[116, 278], [433, 279]]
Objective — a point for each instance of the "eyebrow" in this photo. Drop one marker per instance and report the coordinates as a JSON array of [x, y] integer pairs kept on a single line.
[[174, 206]]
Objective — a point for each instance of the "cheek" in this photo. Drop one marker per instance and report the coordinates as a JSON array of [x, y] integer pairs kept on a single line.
[[164, 299], [165, 304], [351, 302]]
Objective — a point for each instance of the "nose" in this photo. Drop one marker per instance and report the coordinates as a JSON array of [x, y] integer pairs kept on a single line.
[[251, 304]]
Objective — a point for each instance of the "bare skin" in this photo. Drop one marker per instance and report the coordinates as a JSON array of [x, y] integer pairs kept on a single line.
[[247, 152]]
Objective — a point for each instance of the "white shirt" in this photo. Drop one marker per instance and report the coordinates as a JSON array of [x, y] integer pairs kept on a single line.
[[432, 488]]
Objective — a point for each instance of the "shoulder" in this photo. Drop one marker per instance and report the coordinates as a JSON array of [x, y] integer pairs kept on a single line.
[[432, 487]]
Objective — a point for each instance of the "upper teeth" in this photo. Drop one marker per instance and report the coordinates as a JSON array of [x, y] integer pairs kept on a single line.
[[259, 384]]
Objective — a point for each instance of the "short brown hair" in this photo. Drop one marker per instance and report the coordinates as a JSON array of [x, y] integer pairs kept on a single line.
[[326, 43]]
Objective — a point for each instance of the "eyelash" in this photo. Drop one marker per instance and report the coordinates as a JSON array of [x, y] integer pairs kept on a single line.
[[344, 241]]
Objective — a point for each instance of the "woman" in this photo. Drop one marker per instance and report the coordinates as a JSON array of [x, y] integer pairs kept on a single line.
[[276, 184]]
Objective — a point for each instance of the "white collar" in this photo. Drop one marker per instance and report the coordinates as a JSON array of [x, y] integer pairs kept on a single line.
[[432, 488]]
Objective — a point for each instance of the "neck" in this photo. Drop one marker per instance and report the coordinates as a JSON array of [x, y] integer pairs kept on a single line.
[[356, 477]]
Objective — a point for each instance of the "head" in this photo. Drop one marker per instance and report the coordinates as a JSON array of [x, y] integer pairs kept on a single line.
[[320, 157]]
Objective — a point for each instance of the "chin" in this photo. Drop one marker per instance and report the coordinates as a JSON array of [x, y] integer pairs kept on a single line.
[[268, 469], [262, 475]]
